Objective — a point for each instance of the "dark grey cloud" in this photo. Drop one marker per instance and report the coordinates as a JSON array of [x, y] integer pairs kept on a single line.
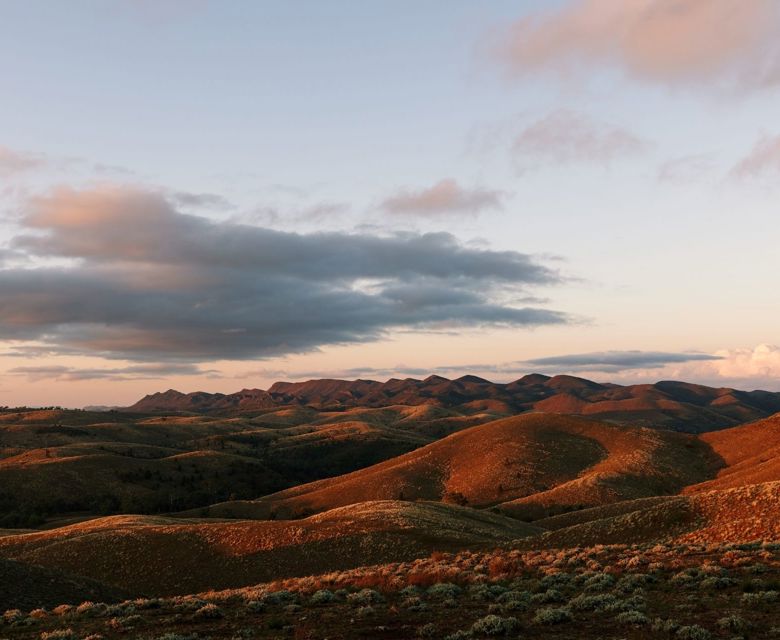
[[146, 282], [618, 360], [134, 372]]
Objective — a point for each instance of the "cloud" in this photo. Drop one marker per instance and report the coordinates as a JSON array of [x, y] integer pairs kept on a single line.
[[731, 43], [446, 197], [12, 162], [135, 372], [200, 200], [143, 281], [763, 158], [685, 169], [617, 360], [565, 137]]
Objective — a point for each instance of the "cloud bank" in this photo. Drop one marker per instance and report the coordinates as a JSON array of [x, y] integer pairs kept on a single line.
[[143, 281], [717, 43]]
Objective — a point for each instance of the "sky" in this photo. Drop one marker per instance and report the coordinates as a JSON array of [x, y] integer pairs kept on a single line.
[[213, 196]]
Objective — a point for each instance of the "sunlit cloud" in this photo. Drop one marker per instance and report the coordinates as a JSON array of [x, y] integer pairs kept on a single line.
[[716, 43]]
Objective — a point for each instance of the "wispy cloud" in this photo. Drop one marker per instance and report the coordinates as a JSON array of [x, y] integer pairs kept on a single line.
[[565, 137], [763, 159], [617, 360], [12, 162], [445, 197], [134, 372], [717, 43]]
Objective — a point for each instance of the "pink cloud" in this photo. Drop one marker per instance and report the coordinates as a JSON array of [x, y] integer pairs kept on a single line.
[[564, 137], [763, 158], [444, 197], [16, 161], [672, 42]]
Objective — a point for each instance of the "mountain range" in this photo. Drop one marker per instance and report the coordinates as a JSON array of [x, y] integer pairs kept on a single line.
[[673, 405]]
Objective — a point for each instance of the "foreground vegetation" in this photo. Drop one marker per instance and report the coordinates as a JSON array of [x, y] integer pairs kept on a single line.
[[683, 592]]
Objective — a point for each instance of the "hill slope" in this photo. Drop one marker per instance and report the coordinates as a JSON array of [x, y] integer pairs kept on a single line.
[[530, 465], [154, 555]]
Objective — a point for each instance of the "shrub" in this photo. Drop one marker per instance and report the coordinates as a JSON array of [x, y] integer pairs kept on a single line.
[[444, 591], [458, 635], [553, 615], [597, 602], [58, 634], [427, 631], [365, 612], [717, 582], [323, 596], [632, 617], [760, 597], [667, 626], [279, 597], [493, 625], [599, 582], [548, 597], [733, 623], [12, 616], [208, 612], [90, 609], [365, 597], [256, 606], [414, 604], [693, 632], [62, 610]]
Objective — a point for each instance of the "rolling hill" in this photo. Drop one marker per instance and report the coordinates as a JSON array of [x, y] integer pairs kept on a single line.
[[530, 466]]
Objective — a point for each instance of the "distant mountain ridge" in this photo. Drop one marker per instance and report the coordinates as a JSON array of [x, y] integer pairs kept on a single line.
[[668, 404]]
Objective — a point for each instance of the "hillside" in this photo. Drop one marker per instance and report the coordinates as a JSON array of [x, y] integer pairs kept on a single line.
[[155, 555], [529, 466], [57, 462], [673, 405]]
